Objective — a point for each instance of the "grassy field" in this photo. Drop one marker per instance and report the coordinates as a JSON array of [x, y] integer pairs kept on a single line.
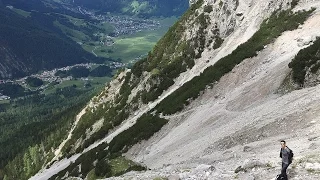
[[76, 21], [95, 82], [21, 12], [4, 101], [130, 47], [120, 164], [126, 48], [77, 36]]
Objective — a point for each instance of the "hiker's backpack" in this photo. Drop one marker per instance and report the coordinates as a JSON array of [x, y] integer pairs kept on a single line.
[[290, 155]]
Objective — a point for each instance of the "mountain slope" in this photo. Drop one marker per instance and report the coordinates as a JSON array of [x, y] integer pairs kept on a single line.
[[27, 47], [142, 8], [225, 65], [145, 8]]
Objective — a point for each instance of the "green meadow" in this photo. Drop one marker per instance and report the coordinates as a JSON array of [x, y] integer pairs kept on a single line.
[[125, 48], [21, 12]]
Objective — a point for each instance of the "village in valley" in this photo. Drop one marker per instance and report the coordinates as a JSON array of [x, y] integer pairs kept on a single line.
[[122, 26], [50, 77]]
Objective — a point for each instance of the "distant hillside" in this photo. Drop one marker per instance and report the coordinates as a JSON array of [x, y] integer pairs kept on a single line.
[[144, 8], [27, 47]]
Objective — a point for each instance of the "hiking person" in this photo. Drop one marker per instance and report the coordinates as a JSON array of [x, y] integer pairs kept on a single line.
[[286, 154]]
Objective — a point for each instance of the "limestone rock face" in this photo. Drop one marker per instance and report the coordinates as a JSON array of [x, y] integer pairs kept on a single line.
[[192, 2]]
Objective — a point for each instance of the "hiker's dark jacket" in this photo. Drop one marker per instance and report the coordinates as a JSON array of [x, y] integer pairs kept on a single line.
[[284, 154]]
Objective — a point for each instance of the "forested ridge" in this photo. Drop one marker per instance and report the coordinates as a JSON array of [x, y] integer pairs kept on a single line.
[[32, 44], [32, 126], [143, 8]]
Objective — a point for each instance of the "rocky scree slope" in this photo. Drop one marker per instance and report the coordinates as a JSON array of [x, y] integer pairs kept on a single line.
[[224, 65]]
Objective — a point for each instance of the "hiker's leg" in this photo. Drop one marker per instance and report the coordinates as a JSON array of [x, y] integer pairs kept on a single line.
[[284, 170]]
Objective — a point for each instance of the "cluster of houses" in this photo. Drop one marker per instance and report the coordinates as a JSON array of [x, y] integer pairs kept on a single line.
[[128, 25], [3, 97]]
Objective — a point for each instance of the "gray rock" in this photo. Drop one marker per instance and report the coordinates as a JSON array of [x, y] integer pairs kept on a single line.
[[192, 2], [314, 146], [252, 164], [246, 177], [306, 41], [313, 138], [204, 167], [239, 13], [239, 169], [247, 149], [174, 177]]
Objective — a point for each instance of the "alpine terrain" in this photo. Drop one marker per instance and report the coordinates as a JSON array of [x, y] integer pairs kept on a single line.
[[212, 100]]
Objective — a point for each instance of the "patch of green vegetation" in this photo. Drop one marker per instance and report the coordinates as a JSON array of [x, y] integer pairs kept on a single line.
[[170, 57], [75, 35], [101, 71], [137, 8], [102, 169], [167, 47], [76, 21], [132, 46], [3, 102], [99, 80], [91, 175], [313, 171], [95, 82], [45, 48], [128, 47], [269, 30], [311, 158], [125, 48], [106, 27], [112, 113], [208, 9], [32, 126], [144, 128], [34, 82], [220, 3], [14, 90], [71, 83], [306, 60], [21, 12], [120, 165], [88, 34], [86, 161], [200, 39], [99, 163], [218, 42]]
